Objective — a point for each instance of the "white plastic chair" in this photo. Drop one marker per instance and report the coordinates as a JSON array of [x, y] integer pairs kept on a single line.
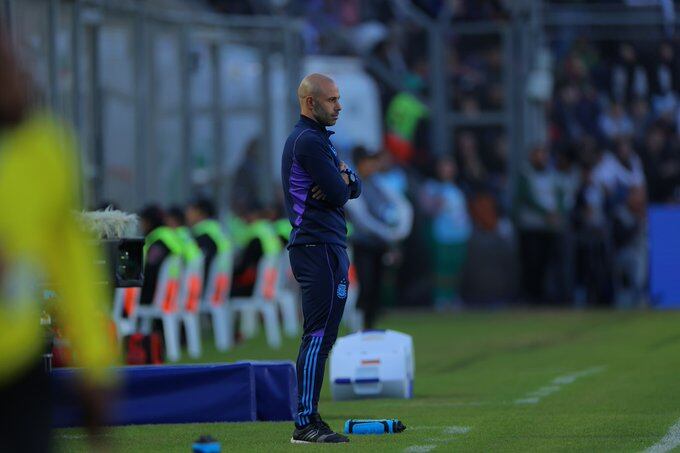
[[191, 289], [286, 297], [215, 300], [125, 304], [263, 301], [165, 307]]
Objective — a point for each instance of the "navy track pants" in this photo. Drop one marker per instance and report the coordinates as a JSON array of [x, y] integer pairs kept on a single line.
[[321, 270]]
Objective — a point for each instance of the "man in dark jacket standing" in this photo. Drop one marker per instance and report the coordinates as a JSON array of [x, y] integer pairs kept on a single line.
[[317, 185]]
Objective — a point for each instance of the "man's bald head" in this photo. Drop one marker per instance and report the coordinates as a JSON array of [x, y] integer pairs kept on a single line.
[[313, 85], [319, 99]]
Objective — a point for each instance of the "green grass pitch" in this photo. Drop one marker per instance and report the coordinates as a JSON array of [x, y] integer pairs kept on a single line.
[[503, 381]]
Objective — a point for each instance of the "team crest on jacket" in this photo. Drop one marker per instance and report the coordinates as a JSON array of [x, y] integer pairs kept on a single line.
[[342, 290]]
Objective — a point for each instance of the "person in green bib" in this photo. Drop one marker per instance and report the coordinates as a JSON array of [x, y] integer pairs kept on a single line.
[[207, 231], [176, 220], [261, 240], [283, 229], [160, 241]]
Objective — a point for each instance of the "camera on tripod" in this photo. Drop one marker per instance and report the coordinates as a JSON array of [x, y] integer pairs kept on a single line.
[[124, 259], [122, 252]]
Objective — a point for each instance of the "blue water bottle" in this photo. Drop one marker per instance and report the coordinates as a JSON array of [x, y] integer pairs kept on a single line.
[[380, 426], [206, 444]]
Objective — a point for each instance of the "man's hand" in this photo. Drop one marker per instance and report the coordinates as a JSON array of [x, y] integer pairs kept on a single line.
[[345, 176], [318, 194]]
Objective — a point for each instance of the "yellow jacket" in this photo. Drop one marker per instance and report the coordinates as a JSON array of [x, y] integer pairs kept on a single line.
[[40, 242]]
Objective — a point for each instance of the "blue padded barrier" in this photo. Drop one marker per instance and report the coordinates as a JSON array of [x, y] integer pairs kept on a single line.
[[244, 391]]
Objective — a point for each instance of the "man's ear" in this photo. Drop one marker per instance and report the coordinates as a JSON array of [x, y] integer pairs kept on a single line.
[[309, 102]]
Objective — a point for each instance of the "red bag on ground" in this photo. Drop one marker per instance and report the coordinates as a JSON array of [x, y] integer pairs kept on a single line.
[[144, 349]]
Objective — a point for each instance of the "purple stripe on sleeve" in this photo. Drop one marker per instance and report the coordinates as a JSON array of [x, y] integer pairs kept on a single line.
[[300, 183]]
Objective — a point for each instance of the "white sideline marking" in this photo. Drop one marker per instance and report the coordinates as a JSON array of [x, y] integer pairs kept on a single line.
[[419, 448], [450, 430], [440, 403], [556, 385], [453, 430], [441, 440], [669, 441], [446, 430]]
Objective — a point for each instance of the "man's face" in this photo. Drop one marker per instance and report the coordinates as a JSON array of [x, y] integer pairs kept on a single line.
[[539, 158], [367, 167], [326, 106], [193, 216], [172, 221]]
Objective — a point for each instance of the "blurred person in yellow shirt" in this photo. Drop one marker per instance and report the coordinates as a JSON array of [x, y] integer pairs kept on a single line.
[[41, 244]]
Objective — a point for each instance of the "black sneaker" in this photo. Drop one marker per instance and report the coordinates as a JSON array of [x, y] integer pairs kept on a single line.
[[317, 431]]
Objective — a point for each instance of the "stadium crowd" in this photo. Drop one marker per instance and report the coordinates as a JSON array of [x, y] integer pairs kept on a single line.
[[576, 225], [574, 231]]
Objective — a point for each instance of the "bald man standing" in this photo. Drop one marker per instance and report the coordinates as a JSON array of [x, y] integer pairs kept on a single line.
[[317, 185]]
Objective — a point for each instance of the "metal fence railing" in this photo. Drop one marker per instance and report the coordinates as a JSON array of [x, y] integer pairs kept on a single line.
[[165, 100]]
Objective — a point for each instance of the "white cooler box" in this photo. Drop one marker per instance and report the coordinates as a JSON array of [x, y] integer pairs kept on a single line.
[[372, 364]]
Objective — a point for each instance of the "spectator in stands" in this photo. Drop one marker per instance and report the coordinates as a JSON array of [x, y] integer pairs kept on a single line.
[[629, 77], [538, 220], [661, 166], [451, 229], [493, 153], [404, 114], [642, 119], [665, 72], [620, 170], [390, 175], [630, 259], [246, 184], [591, 228], [493, 96], [408, 266], [615, 123], [377, 227], [473, 174], [567, 180], [490, 274], [565, 114]]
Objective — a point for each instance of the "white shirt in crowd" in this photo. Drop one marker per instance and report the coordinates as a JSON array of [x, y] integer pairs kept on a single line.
[[611, 173]]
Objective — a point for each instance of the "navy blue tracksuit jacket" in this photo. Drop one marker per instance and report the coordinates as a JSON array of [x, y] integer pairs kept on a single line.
[[317, 247]]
